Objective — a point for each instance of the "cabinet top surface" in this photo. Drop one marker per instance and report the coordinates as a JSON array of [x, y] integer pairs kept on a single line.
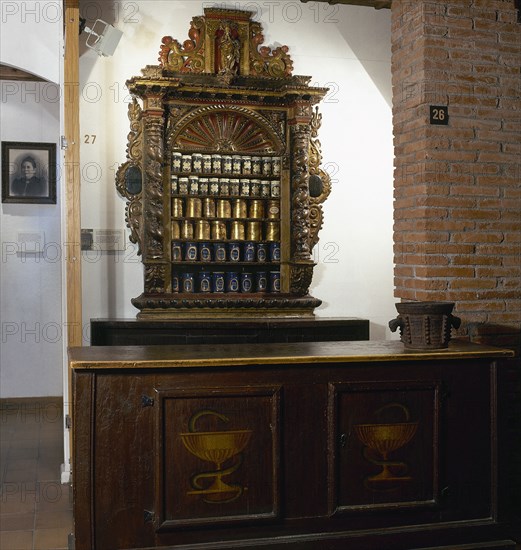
[[230, 355], [224, 322]]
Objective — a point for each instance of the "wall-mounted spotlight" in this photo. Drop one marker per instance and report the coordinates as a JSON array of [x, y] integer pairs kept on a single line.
[[103, 38]]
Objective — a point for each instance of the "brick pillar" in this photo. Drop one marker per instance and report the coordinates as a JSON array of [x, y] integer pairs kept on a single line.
[[457, 187]]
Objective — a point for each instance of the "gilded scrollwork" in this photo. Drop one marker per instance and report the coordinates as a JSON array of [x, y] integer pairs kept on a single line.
[[188, 57], [315, 159], [316, 220], [267, 62], [134, 151], [133, 210], [300, 192]]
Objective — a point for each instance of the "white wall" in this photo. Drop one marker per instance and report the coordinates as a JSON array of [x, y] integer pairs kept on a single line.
[[30, 284], [31, 341], [31, 36], [344, 47]]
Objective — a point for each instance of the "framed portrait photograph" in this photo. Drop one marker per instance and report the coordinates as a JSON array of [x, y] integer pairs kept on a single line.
[[28, 172]]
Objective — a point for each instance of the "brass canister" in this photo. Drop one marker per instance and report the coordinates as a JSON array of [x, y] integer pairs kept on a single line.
[[254, 231], [240, 208], [176, 230], [272, 231], [177, 208], [187, 230], [218, 231], [193, 207], [202, 230], [273, 208], [208, 208], [224, 209], [237, 233], [256, 209]]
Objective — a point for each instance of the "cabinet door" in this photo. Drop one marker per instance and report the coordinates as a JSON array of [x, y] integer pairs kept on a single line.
[[413, 450], [384, 439], [217, 457]]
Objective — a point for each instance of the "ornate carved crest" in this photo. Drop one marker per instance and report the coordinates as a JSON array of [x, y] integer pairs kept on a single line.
[[226, 43], [267, 62], [188, 57]]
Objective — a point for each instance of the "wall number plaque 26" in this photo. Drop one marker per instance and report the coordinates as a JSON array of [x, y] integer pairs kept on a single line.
[[439, 114]]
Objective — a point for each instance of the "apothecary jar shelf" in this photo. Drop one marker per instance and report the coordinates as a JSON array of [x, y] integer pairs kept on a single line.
[[222, 147]]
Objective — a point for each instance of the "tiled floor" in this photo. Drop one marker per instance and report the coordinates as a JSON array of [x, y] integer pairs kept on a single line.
[[35, 508]]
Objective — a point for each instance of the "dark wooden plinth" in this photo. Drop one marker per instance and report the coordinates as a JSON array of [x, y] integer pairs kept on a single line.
[[128, 332]]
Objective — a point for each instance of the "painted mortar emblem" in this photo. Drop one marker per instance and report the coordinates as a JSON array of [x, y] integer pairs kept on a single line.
[[218, 447], [382, 440]]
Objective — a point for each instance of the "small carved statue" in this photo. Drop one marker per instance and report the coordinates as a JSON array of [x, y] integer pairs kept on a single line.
[[228, 50]]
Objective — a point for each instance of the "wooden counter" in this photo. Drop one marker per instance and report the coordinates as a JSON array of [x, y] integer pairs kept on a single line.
[[311, 445]]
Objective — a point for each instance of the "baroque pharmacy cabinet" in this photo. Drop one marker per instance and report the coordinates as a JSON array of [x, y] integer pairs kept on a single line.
[[223, 177]]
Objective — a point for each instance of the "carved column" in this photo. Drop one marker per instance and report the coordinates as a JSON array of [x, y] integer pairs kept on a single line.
[[302, 268], [153, 239], [300, 135]]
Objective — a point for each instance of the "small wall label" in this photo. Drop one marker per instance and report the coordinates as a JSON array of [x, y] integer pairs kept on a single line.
[[439, 114]]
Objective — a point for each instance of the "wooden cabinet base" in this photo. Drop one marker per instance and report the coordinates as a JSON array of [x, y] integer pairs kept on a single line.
[[131, 332], [311, 445]]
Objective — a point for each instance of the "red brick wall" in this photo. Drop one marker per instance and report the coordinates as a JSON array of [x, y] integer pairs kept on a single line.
[[457, 187]]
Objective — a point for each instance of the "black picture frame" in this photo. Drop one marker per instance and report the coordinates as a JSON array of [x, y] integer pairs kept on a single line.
[[28, 172]]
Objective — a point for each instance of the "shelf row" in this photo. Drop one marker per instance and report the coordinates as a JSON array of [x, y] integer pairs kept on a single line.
[[225, 164], [233, 252], [238, 208], [230, 230], [222, 282], [226, 187]]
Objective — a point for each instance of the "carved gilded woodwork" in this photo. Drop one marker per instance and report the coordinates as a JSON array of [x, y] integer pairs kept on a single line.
[[133, 211], [225, 43], [223, 93], [321, 189], [267, 62], [301, 277], [153, 192], [188, 57], [300, 192], [155, 278], [226, 129]]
